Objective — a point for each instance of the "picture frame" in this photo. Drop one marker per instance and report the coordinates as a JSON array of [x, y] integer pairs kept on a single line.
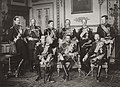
[[81, 6], [18, 2]]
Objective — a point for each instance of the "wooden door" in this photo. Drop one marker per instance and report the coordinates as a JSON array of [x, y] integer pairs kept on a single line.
[[43, 13]]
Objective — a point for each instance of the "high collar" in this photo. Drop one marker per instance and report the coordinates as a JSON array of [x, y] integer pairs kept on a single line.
[[84, 27], [16, 25], [67, 42]]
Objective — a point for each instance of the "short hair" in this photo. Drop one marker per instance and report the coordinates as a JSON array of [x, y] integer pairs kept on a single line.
[[16, 18], [106, 17], [42, 35], [68, 20], [50, 21], [68, 35], [97, 34], [84, 19], [33, 19]]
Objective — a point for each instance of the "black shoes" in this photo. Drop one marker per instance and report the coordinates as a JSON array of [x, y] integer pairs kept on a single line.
[[38, 78], [49, 79], [66, 78], [97, 78], [52, 81]]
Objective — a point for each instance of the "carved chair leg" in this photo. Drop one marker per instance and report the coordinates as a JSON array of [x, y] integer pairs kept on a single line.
[[79, 70], [45, 68], [92, 67], [79, 65], [58, 70], [106, 72], [98, 72], [92, 71], [9, 66]]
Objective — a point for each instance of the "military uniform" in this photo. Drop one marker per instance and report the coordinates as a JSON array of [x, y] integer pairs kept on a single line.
[[84, 43], [42, 49], [110, 31], [33, 34], [107, 33], [67, 31], [66, 53], [20, 43], [53, 33], [97, 56]]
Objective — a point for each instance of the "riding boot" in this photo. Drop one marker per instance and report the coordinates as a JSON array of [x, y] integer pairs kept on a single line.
[[98, 73], [50, 73], [66, 73], [38, 72], [49, 78], [70, 65]]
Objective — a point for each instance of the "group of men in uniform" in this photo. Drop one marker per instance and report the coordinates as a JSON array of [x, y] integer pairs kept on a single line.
[[45, 48]]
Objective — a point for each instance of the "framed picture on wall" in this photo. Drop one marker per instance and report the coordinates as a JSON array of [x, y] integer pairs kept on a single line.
[[81, 6], [18, 2]]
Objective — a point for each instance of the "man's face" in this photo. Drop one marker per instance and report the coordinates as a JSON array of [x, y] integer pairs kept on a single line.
[[84, 22], [17, 21], [97, 37], [51, 25], [67, 23], [32, 21], [67, 38], [103, 20], [42, 39]]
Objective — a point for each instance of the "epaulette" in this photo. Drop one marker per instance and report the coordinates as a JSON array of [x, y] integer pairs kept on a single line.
[[38, 27], [90, 29], [64, 29]]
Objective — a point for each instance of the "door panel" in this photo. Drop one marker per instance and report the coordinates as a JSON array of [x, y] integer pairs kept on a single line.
[[43, 13]]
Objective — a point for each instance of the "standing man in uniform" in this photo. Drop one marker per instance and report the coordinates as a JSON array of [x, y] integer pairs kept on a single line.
[[33, 34], [107, 34], [16, 36], [85, 38]]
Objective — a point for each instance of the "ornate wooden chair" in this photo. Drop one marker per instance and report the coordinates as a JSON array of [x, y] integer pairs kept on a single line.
[[95, 63]]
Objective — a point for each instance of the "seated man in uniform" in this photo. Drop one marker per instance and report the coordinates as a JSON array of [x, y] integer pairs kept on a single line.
[[67, 51], [97, 54], [44, 56], [38, 50]]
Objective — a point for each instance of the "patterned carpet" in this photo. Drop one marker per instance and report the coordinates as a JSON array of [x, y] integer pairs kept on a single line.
[[28, 80]]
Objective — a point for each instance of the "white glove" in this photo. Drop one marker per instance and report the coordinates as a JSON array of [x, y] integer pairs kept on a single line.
[[85, 58], [30, 38]]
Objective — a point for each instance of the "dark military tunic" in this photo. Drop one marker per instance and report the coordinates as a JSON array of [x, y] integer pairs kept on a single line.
[[54, 35], [103, 33], [21, 45], [87, 37], [67, 31]]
